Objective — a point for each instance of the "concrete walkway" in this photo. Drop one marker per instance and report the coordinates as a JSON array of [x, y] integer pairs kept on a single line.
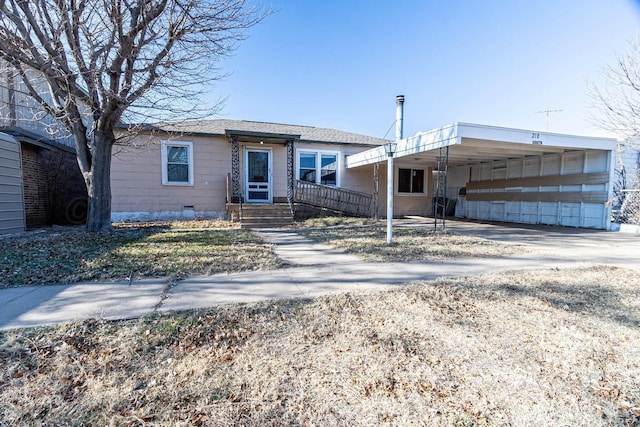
[[315, 269]]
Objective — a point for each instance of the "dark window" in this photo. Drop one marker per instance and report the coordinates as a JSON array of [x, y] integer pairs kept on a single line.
[[410, 180], [417, 181], [404, 181]]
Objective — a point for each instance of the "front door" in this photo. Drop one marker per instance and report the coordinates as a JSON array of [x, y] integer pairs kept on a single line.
[[258, 180]]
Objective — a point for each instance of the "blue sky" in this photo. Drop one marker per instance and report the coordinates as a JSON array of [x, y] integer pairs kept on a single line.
[[340, 64]]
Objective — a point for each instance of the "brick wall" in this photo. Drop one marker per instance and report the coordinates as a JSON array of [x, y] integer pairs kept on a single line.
[[54, 190], [35, 206]]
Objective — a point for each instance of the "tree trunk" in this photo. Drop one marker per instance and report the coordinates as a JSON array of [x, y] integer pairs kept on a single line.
[[99, 184]]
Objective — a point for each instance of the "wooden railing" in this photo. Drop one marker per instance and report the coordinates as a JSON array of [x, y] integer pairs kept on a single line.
[[337, 199]]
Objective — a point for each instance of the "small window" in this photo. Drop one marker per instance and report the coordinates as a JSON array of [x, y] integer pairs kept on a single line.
[[177, 163], [411, 181], [318, 166], [329, 167], [308, 167]]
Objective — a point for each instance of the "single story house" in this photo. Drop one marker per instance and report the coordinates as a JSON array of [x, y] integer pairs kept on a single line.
[[208, 168]]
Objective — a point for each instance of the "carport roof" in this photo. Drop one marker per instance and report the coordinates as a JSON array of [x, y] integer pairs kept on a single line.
[[472, 143]]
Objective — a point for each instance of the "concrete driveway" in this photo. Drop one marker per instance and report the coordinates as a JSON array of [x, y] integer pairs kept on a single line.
[[577, 244]]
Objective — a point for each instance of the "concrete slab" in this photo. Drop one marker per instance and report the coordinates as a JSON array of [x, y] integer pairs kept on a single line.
[[48, 305], [299, 250], [577, 244], [310, 281]]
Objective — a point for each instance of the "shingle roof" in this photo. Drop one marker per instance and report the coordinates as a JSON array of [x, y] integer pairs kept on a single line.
[[305, 133]]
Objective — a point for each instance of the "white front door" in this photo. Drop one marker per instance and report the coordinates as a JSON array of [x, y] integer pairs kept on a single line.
[[258, 179]]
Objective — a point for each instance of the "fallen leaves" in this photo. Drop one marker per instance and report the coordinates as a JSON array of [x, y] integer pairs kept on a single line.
[[72, 255], [607, 389], [468, 351], [413, 244]]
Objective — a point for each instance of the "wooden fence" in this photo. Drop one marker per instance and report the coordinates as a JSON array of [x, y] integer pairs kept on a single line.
[[337, 199]]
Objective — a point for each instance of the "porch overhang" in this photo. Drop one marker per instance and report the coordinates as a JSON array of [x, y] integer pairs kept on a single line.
[[472, 143], [261, 137], [235, 191]]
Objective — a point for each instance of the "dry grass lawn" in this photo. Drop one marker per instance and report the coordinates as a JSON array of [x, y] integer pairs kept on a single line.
[[132, 251], [544, 348], [184, 248], [181, 225], [369, 242]]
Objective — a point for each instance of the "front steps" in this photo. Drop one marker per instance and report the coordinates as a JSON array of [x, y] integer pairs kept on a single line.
[[259, 215]]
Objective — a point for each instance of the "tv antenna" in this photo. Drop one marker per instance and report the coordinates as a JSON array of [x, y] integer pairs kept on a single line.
[[546, 112]]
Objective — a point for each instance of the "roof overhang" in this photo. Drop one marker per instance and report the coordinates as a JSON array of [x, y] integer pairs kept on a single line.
[[266, 137], [472, 143], [38, 141]]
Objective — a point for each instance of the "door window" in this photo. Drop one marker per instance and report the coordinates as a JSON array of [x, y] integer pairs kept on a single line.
[[258, 166]]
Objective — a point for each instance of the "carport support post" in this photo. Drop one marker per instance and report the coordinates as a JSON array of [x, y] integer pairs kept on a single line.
[[376, 190], [389, 194], [390, 149]]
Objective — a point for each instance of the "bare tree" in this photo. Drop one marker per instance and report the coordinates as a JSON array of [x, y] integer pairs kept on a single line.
[[618, 99], [109, 61]]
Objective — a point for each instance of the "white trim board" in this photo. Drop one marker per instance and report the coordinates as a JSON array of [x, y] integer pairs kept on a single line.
[[470, 143]]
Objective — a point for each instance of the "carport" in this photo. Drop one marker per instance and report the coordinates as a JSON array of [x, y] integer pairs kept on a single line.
[[500, 174]]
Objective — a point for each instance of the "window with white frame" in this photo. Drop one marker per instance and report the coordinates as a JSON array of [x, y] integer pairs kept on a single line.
[[177, 163], [320, 167], [411, 181]]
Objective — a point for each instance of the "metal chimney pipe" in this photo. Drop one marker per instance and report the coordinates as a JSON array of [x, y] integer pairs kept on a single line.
[[399, 116]]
